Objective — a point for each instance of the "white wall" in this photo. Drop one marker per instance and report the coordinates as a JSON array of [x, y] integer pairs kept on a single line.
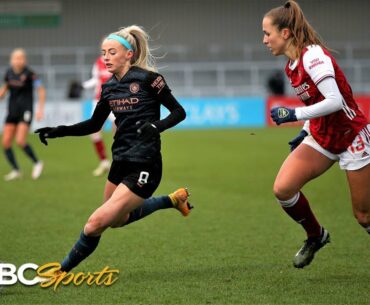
[[189, 22]]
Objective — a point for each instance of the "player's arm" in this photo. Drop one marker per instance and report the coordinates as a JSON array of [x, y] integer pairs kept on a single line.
[[164, 96], [93, 81], [332, 103], [41, 93], [177, 112], [3, 90], [92, 125], [321, 71]]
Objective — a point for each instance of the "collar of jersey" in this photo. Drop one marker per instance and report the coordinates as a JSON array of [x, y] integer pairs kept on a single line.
[[293, 64]]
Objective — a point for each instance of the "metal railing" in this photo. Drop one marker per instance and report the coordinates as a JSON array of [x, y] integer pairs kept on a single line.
[[242, 70]]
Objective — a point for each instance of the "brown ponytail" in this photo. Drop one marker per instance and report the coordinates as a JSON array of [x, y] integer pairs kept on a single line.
[[291, 16]]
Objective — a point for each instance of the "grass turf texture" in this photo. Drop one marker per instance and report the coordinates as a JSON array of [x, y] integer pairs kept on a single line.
[[235, 248]]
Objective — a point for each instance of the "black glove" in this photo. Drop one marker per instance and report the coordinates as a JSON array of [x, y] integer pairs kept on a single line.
[[282, 115], [147, 130], [49, 133], [298, 140]]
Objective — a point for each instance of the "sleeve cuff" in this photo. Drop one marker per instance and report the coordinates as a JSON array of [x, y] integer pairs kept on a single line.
[[298, 113]]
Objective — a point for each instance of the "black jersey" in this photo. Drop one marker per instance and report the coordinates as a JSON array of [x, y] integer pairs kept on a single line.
[[134, 99], [20, 87]]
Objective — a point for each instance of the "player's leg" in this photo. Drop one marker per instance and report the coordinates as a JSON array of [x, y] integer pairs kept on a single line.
[[143, 179], [177, 199], [116, 208], [8, 136], [359, 184], [125, 203], [108, 190], [21, 140], [302, 165], [100, 150]]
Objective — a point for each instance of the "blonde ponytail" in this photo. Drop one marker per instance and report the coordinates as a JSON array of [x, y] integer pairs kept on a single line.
[[138, 39]]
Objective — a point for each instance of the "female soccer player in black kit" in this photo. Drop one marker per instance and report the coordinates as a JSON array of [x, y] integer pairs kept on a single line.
[[134, 94], [20, 82]]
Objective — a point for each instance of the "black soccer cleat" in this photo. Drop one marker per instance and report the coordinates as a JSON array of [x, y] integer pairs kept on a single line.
[[311, 245]]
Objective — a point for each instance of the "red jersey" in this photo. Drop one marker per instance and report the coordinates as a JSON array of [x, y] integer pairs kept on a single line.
[[100, 75], [336, 131]]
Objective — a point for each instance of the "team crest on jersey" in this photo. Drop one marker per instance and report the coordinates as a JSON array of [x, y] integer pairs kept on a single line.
[[23, 77], [134, 88]]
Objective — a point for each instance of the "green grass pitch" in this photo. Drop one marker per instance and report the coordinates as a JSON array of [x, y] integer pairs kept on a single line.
[[235, 248]]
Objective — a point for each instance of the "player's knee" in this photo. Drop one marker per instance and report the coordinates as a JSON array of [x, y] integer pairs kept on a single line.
[[6, 143], [363, 218], [96, 137], [95, 225], [20, 142], [282, 192]]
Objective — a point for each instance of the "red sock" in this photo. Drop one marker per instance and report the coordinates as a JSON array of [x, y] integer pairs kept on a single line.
[[299, 209], [100, 149]]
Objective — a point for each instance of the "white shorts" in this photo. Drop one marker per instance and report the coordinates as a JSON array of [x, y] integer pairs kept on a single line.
[[355, 157], [111, 116]]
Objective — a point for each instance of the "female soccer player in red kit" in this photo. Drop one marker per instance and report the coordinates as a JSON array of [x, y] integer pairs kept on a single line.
[[335, 129]]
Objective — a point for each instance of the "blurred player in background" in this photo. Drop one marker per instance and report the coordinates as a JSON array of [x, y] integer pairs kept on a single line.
[[100, 75], [335, 129], [20, 82], [134, 94]]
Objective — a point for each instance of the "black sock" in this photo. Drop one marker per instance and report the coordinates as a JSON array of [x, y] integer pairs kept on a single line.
[[149, 206], [30, 153], [82, 249], [11, 158]]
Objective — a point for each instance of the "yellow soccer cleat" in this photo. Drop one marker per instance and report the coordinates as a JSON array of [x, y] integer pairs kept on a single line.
[[179, 200]]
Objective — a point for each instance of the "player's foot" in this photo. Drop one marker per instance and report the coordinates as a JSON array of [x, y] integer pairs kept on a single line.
[[103, 167], [50, 274], [13, 175], [311, 245], [179, 200], [37, 170]]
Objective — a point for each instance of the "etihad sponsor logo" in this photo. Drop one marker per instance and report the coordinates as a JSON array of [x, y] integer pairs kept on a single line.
[[314, 63], [125, 104]]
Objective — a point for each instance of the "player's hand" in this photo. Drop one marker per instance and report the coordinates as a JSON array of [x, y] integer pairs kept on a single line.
[[147, 130], [298, 140], [283, 115], [39, 115], [47, 133]]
